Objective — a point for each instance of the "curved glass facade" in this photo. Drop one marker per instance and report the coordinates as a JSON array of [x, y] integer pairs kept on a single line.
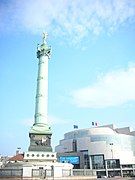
[[126, 142], [77, 134], [109, 150]]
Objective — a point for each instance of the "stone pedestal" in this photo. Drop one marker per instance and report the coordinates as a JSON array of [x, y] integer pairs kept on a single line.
[[39, 156], [40, 140]]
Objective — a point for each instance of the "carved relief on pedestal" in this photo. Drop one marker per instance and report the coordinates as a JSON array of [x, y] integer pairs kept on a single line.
[[41, 140]]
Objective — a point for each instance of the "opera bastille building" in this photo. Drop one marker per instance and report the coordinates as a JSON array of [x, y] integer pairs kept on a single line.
[[108, 150]]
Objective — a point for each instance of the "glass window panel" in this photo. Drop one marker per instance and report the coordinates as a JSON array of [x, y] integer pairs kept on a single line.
[[97, 161]]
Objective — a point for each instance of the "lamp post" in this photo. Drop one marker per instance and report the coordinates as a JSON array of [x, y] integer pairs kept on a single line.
[[111, 145], [113, 164]]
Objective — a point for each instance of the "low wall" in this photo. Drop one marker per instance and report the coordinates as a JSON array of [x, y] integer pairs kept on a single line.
[[38, 174], [11, 173]]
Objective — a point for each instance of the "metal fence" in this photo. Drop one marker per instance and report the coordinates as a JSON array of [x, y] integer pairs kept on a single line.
[[83, 172], [41, 173], [65, 173], [49, 173], [11, 172]]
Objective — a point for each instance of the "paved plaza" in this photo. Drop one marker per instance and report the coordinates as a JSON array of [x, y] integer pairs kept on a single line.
[[75, 178]]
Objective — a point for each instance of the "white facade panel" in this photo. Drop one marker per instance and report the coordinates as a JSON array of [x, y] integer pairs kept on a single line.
[[83, 143], [127, 157], [65, 146], [96, 148]]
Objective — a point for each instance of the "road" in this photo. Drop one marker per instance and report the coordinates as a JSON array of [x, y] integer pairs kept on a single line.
[[118, 178]]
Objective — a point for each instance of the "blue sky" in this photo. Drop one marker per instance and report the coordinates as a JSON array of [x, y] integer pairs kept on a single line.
[[91, 71]]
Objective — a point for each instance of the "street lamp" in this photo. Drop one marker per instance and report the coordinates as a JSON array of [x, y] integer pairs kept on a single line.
[[113, 164], [111, 144]]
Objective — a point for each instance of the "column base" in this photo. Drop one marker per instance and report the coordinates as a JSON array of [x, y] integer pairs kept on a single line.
[[40, 129]]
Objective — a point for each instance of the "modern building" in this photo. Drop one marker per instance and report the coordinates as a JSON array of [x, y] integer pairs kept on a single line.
[[107, 149]]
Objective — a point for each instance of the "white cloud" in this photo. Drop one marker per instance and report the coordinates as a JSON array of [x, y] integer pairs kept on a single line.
[[112, 89], [71, 19]]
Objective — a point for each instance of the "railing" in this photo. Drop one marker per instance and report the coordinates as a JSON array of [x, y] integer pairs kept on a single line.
[[41, 173], [84, 172], [49, 173], [11, 172], [65, 173]]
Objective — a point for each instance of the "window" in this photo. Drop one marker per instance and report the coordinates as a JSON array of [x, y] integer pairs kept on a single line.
[[113, 163], [98, 161]]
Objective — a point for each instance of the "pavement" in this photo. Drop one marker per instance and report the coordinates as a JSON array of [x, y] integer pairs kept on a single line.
[[79, 178], [118, 178]]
